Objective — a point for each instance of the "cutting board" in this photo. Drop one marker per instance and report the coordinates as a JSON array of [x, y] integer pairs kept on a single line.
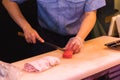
[[93, 58]]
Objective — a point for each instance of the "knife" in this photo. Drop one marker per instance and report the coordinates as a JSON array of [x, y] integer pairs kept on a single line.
[[47, 43], [54, 46]]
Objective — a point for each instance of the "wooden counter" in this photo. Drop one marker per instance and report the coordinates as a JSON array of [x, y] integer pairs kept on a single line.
[[94, 57]]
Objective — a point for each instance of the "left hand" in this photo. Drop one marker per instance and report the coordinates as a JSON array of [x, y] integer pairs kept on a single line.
[[75, 44]]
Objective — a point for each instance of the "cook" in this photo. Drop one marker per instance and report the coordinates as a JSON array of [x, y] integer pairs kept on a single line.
[[62, 22]]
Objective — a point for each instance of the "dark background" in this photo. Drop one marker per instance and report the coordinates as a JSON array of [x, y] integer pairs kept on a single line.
[[13, 47]]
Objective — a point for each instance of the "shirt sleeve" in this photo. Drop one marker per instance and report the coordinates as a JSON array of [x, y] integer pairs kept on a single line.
[[94, 5]]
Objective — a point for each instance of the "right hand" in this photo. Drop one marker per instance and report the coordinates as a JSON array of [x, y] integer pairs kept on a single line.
[[31, 36]]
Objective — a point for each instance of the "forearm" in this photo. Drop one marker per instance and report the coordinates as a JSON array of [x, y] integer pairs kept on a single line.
[[87, 25], [15, 13]]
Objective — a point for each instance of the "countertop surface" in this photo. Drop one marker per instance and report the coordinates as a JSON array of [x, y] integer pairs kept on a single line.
[[94, 57]]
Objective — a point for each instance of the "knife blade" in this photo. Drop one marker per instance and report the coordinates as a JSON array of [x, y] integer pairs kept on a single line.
[[54, 46], [47, 43]]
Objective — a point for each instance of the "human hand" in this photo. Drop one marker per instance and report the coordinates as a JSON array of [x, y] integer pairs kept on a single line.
[[74, 43], [31, 36]]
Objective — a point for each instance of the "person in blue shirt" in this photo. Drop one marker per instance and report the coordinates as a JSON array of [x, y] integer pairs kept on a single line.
[[63, 22]]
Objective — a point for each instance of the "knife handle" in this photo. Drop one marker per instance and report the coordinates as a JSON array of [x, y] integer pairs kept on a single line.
[[20, 34]]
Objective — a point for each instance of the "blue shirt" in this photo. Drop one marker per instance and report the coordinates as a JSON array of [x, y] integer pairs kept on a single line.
[[64, 16]]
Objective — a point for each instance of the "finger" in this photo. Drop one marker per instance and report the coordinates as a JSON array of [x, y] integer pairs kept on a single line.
[[77, 50], [69, 45], [27, 39], [33, 40], [75, 47], [40, 39], [66, 47]]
